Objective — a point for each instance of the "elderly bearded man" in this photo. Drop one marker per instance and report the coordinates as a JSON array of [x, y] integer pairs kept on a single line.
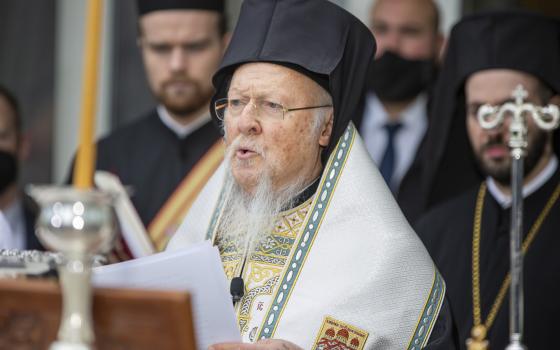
[[298, 210]]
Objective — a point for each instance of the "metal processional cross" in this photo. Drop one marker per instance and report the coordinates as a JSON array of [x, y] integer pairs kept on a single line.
[[546, 118]]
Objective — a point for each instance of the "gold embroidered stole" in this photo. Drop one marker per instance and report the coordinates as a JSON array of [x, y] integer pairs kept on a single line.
[[264, 268], [172, 213]]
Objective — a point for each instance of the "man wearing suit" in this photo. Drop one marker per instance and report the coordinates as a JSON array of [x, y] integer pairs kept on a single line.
[[395, 118]]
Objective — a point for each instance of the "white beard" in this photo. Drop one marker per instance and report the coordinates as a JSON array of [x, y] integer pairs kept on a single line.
[[248, 219]]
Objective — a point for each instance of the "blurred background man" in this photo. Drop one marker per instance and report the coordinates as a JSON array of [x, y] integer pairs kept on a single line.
[[17, 211], [469, 236], [396, 113], [167, 155]]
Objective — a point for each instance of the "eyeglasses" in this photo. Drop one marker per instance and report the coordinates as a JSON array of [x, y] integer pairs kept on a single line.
[[265, 109]]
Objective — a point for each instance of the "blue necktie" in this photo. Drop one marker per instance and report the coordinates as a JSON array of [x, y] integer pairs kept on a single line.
[[387, 165]]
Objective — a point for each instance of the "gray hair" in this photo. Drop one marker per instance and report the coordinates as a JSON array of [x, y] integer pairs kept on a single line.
[[321, 117]]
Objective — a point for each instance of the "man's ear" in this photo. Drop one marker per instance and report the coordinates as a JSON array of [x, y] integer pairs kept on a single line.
[[326, 132]]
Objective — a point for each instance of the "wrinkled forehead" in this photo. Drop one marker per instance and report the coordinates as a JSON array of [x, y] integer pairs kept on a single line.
[[404, 13], [264, 79]]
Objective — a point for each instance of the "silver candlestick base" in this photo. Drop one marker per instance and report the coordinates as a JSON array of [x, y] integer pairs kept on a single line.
[[76, 223], [515, 343]]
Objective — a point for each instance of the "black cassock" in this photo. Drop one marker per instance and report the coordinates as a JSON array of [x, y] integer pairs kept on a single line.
[[152, 159], [447, 232]]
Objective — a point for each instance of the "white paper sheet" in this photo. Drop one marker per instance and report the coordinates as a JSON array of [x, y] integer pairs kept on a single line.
[[197, 270]]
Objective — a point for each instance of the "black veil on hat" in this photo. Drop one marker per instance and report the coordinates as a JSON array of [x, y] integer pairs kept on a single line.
[[146, 6], [514, 40], [314, 37]]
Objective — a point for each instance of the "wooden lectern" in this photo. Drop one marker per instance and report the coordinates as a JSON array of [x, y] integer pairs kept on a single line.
[[123, 319]]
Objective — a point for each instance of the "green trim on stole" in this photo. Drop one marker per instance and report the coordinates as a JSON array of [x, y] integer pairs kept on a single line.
[[429, 315], [315, 216]]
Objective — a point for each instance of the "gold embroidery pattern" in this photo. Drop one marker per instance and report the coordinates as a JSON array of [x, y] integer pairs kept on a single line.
[[335, 334], [259, 273], [230, 257], [264, 266], [247, 301]]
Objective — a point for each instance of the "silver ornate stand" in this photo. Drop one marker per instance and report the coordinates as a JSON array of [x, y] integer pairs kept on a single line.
[[76, 223], [546, 118]]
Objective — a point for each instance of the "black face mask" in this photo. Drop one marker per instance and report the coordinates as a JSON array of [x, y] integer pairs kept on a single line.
[[394, 78], [8, 170]]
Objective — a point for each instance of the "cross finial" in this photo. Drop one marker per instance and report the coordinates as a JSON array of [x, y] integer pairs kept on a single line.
[[519, 94]]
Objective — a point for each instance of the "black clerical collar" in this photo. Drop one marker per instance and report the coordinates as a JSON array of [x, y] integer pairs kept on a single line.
[[305, 194]]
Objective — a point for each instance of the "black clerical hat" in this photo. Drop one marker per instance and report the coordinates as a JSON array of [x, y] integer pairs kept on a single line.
[[316, 36], [146, 6], [521, 41]]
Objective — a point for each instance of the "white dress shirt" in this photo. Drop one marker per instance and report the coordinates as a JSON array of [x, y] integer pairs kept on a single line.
[[179, 129], [12, 227], [505, 200], [414, 120]]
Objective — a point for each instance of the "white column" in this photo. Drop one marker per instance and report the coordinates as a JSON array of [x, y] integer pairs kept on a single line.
[[69, 61], [450, 11], [359, 8]]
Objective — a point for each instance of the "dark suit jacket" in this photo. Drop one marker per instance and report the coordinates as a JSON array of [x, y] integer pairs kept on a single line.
[[408, 195]]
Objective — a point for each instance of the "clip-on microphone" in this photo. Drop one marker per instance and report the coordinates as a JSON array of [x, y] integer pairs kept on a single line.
[[237, 289]]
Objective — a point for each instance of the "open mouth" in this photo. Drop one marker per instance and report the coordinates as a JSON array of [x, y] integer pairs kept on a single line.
[[244, 153]]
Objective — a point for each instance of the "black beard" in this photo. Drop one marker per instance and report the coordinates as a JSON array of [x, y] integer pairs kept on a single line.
[[535, 151]]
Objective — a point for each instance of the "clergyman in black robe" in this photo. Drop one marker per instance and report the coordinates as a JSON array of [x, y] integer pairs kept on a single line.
[[152, 159], [488, 55], [182, 42]]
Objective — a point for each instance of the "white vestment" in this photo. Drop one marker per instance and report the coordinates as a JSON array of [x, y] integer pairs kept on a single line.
[[355, 274]]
